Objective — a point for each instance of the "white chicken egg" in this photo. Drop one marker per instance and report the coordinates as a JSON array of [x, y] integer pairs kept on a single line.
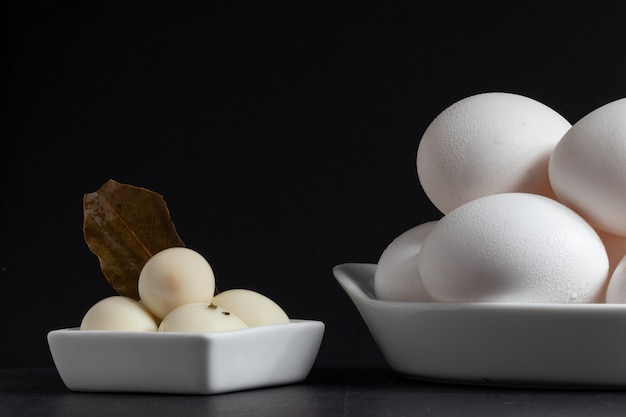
[[616, 292], [588, 168], [397, 276], [485, 144], [615, 248], [514, 247]]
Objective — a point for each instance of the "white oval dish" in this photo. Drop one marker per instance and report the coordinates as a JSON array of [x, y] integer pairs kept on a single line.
[[186, 363], [541, 345]]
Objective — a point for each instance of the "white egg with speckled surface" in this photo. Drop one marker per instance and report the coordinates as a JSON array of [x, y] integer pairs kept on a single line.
[[588, 167], [615, 247], [616, 292], [485, 144], [514, 247], [397, 276]]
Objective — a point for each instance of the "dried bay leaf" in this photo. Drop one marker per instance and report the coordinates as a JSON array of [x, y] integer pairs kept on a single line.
[[124, 226]]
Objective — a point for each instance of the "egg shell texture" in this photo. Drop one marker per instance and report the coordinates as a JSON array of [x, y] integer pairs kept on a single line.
[[615, 248], [587, 169], [616, 292], [397, 276], [514, 247], [485, 144]]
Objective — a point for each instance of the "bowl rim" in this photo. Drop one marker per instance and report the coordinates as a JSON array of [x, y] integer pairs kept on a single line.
[[75, 330], [357, 279]]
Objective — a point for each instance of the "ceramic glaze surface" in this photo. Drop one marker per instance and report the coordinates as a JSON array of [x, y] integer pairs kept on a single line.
[[568, 345], [186, 363]]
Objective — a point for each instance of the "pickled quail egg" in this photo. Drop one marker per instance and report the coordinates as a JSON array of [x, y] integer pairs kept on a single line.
[[200, 317], [251, 307], [118, 313], [174, 277]]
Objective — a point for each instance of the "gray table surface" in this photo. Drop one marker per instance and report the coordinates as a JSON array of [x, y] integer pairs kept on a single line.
[[327, 393]]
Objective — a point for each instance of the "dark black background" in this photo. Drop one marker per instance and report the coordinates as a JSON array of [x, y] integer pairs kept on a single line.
[[282, 135]]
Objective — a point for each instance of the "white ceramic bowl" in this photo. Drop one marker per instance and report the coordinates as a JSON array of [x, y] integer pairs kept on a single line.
[[186, 363], [554, 345]]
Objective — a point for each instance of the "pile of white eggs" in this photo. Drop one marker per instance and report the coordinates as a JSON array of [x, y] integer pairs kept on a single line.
[[534, 208], [177, 294]]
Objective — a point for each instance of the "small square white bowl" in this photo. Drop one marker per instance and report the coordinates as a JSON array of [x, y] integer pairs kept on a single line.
[[186, 363]]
